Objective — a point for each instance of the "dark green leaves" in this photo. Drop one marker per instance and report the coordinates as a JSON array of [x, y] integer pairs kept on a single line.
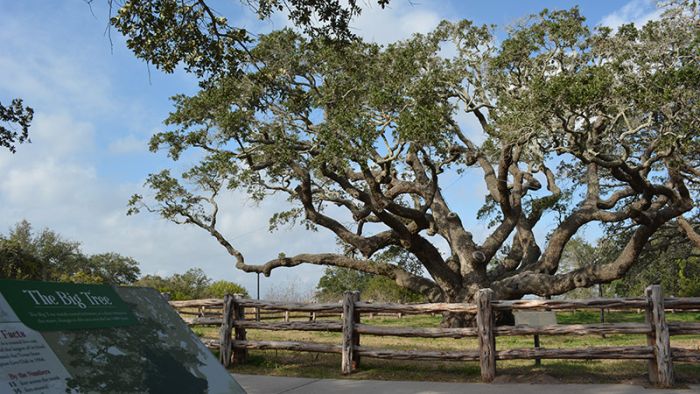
[[14, 124], [168, 32]]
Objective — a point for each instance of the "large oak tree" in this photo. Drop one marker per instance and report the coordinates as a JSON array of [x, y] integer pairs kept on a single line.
[[597, 126]]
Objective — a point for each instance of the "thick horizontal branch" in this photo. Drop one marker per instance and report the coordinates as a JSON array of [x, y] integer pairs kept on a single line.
[[539, 280], [404, 278]]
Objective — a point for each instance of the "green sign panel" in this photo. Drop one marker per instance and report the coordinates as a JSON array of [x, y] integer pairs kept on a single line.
[[47, 306]]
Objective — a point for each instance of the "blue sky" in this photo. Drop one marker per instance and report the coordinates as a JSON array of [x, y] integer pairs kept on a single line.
[[96, 105]]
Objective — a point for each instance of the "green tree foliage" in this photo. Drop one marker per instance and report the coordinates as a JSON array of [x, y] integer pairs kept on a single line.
[[335, 281], [113, 268], [168, 33], [190, 285], [668, 259], [14, 124], [580, 126], [48, 256], [220, 288], [579, 253]]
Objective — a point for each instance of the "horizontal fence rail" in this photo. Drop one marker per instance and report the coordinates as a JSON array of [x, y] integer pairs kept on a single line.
[[234, 315]]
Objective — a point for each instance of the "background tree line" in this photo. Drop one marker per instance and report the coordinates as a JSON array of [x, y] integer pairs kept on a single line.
[[193, 284], [46, 255]]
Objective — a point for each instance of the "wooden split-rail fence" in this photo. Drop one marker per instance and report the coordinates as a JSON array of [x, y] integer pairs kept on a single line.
[[233, 345]]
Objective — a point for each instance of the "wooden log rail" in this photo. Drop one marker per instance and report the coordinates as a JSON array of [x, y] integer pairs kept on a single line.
[[292, 306], [197, 303], [591, 353], [366, 307], [670, 303], [233, 321]]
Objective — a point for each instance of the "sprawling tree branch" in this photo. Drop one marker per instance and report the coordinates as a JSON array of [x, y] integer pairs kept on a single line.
[[361, 139]]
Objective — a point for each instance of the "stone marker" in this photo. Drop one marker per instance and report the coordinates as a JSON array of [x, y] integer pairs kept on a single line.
[[535, 318], [58, 337]]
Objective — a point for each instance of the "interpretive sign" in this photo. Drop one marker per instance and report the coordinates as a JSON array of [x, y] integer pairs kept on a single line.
[[27, 364], [155, 353], [47, 306]]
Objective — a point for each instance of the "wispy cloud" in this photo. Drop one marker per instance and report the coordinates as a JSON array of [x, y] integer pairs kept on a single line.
[[128, 144], [638, 12], [396, 22]]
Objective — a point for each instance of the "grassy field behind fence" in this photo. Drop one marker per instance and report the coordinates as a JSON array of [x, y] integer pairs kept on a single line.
[[300, 364]]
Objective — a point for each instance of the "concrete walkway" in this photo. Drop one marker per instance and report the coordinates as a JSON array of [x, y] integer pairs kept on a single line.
[[258, 384]]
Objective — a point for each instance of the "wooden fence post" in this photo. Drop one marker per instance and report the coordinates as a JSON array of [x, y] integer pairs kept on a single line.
[[487, 339], [351, 339], [661, 366], [239, 355], [356, 335], [225, 332]]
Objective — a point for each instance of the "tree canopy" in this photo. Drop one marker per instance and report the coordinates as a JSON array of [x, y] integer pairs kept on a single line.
[[192, 33], [668, 259], [577, 126]]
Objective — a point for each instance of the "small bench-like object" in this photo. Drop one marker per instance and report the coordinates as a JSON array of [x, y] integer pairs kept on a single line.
[[535, 319]]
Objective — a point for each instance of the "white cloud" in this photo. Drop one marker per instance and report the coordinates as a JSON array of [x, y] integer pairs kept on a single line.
[[638, 12], [128, 144], [47, 76], [398, 21], [46, 171]]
